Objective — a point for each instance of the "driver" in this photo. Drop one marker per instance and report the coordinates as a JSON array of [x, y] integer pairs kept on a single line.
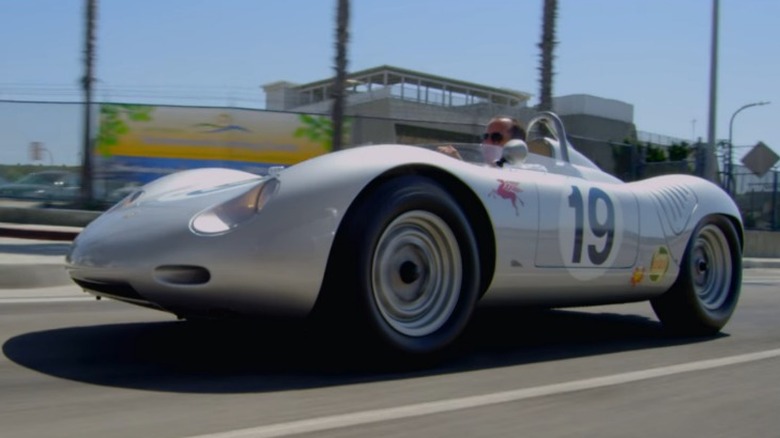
[[498, 132]]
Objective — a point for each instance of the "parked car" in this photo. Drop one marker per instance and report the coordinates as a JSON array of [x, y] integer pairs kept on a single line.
[[51, 185]]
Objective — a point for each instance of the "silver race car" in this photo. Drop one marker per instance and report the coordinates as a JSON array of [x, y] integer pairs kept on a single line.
[[402, 242]]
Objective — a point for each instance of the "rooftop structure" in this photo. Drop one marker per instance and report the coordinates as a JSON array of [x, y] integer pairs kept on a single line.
[[392, 82]]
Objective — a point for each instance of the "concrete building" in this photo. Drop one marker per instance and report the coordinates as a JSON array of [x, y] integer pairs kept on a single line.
[[596, 125], [391, 104]]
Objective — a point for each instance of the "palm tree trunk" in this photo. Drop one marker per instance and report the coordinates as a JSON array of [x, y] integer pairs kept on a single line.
[[342, 37], [547, 46], [86, 82]]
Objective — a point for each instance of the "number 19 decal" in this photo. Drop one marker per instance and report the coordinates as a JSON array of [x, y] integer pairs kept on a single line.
[[600, 226]]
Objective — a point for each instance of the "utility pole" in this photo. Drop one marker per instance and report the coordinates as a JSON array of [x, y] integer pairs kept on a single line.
[[710, 171]]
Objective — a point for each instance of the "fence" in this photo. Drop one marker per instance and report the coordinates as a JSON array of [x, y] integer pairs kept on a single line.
[[49, 135], [758, 198]]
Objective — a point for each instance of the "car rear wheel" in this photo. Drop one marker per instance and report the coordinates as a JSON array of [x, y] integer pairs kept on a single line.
[[706, 292], [411, 262]]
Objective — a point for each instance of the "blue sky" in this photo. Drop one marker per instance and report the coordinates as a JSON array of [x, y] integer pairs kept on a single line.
[[653, 54]]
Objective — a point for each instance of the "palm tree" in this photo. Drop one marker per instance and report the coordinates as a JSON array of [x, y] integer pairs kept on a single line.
[[86, 82], [342, 37], [547, 45]]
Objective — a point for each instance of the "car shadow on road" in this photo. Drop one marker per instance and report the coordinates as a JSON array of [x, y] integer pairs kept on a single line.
[[180, 356]]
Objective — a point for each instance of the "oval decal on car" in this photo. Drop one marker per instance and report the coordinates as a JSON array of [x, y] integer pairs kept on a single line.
[[659, 264]]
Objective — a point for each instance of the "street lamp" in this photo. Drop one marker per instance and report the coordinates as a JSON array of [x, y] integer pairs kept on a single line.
[[730, 154]]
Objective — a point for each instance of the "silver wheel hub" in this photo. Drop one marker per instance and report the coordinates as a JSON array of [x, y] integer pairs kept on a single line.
[[416, 273], [711, 267]]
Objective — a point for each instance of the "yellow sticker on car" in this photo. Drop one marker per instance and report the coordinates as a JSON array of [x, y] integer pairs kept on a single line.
[[659, 264], [638, 275]]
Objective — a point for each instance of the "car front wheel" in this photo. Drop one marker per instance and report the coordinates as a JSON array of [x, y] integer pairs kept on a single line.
[[412, 259]]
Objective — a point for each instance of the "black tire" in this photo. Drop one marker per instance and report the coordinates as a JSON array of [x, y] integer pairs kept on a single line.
[[408, 266], [706, 291]]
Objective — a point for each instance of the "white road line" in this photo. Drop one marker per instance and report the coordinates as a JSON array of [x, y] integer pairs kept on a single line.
[[46, 300], [761, 280], [320, 424]]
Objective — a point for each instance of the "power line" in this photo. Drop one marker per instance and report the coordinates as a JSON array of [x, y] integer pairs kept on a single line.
[[158, 94]]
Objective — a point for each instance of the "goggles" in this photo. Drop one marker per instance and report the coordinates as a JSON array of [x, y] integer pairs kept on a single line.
[[495, 137]]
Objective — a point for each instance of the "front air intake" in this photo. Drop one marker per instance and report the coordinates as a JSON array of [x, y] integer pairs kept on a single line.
[[182, 275]]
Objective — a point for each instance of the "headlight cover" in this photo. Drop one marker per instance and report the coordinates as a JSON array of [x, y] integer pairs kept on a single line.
[[228, 215]]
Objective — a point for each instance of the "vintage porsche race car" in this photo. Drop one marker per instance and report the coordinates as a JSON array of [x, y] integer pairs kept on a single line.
[[403, 242]]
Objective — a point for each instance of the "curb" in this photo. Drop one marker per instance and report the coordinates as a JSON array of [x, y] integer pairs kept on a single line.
[[757, 263], [44, 223]]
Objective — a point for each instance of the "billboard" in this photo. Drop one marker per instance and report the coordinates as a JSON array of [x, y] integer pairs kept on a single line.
[[138, 143]]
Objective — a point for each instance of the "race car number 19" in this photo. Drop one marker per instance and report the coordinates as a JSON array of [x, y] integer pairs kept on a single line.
[[598, 227], [591, 229]]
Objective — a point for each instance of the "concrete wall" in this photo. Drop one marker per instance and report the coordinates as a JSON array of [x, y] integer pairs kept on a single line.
[[597, 128], [761, 244], [581, 104]]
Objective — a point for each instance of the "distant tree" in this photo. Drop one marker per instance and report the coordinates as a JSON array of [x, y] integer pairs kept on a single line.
[[339, 85], [547, 46], [113, 123], [319, 129], [87, 80], [654, 154], [679, 151], [626, 160]]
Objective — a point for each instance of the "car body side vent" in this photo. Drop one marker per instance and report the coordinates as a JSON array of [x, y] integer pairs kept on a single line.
[[677, 205]]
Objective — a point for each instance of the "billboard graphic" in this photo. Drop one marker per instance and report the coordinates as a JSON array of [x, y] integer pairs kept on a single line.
[[138, 143]]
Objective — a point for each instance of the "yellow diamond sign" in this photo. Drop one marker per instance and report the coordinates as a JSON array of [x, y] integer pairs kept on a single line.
[[760, 159]]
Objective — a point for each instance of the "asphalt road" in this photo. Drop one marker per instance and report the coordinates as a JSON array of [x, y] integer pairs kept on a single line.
[[73, 366]]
